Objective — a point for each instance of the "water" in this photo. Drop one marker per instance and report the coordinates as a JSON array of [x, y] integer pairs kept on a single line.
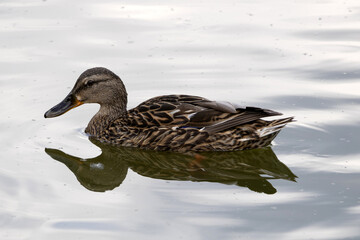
[[296, 57]]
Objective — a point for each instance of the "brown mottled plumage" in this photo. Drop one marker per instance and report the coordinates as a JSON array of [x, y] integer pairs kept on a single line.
[[172, 122]]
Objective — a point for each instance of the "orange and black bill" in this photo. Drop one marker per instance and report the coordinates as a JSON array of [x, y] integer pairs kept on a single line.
[[68, 103]]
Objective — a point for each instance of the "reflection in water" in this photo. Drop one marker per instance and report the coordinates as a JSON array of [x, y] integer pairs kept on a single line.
[[251, 168]]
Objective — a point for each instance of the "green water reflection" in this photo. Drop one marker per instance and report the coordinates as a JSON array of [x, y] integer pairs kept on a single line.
[[251, 169]]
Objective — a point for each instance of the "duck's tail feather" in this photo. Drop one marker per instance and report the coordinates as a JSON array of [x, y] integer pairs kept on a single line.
[[274, 127]]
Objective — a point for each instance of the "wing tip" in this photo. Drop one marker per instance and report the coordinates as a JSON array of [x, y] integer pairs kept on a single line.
[[268, 112]]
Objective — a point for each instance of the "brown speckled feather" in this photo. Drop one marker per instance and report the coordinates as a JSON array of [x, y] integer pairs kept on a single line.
[[193, 111], [191, 123]]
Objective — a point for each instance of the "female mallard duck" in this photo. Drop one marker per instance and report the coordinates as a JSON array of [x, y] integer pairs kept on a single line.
[[172, 122]]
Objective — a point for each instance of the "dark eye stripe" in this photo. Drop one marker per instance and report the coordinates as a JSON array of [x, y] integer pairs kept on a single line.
[[90, 83]]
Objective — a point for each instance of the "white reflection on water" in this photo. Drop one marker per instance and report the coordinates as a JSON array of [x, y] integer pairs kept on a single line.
[[141, 12], [353, 210], [213, 221], [337, 164], [227, 198], [318, 232], [324, 231]]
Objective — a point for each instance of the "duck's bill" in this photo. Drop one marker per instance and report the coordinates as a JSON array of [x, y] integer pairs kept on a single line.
[[68, 103]]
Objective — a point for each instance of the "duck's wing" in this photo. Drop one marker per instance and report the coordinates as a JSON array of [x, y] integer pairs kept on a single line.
[[183, 111]]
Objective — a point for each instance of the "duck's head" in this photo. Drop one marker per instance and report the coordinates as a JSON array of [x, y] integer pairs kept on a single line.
[[95, 85]]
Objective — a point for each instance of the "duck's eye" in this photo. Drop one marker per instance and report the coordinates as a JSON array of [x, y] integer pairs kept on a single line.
[[89, 83]]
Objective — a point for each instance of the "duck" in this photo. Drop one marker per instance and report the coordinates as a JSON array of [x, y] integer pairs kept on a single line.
[[177, 122]]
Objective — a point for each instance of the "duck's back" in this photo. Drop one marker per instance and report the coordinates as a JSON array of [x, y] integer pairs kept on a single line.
[[192, 123]]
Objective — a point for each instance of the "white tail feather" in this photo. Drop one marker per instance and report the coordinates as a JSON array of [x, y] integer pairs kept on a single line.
[[278, 125]]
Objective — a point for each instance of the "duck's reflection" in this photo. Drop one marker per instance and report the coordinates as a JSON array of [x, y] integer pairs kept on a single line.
[[251, 168]]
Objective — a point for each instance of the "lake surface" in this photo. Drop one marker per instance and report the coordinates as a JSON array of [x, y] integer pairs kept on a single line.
[[296, 57]]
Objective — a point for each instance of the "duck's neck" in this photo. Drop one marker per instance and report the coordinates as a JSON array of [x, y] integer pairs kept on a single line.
[[103, 118]]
